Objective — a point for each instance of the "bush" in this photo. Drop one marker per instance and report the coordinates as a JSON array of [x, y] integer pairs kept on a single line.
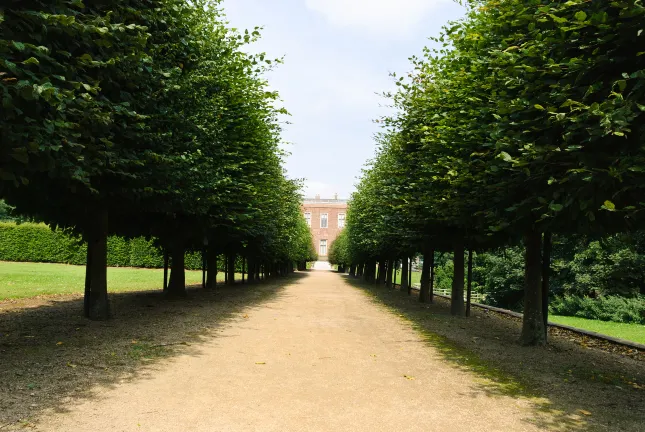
[[31, 242], [610, 308]]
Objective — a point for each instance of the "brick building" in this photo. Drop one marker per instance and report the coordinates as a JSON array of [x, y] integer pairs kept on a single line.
[[326, 219]]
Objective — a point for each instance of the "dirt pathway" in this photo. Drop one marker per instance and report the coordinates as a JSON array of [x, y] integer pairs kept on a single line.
[[320, 357]]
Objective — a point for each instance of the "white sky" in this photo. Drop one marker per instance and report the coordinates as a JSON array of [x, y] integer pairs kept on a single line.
[[338, 56]]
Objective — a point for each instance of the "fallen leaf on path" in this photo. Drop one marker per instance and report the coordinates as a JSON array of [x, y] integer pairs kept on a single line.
[[585, 412], [260, 363], [408, 377], [59, 343], [71, 365], [245, 316]]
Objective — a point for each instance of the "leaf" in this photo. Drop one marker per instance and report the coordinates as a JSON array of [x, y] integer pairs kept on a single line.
[[581, 15], [408, 377], [19, 46], [608, 205], [260, 363], [538, 106], [31, 60], [556, 207]]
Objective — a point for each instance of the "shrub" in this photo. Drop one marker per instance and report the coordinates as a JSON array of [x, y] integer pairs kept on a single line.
[[610, 308], [29, 242]]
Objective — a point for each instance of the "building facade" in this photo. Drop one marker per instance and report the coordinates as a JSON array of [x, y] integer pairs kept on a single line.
[[326, 219]]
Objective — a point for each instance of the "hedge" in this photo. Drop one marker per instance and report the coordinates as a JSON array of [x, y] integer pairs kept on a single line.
[[610, 308], [30, 242]]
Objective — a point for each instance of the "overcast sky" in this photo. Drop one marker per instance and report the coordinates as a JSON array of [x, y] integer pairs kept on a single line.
[[338, 55]]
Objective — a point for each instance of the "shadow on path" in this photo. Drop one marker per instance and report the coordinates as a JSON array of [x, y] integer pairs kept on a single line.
[[571, 387], [50, 355]]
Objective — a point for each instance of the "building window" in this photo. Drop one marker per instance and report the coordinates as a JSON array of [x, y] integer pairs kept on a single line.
[[323, 247], [308, 218], [341, 220], [323, 220]]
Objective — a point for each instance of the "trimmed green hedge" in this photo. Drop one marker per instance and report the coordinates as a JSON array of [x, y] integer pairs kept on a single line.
[[38, 243]]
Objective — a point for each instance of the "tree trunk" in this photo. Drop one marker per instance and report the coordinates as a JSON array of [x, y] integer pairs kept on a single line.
[[88, 280], [428, 259], [390, 270], [211, 266], [177, 285], [410, 276], [396, 268], [382, 272], [352, 270], [469, 286], [231, 268], [98, 305], [166, 260], [546, 274], [457, 297], [404, 274], [243, 268], [432, 272], [204, 268], [533, 322]]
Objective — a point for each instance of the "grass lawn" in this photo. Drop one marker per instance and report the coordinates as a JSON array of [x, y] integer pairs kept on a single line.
[[22, 280], [630, 332], [416, 277]]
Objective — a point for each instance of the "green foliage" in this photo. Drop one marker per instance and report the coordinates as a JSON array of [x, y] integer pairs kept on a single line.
[[338, 252], [29, 242], [610, 267], [610, 308]]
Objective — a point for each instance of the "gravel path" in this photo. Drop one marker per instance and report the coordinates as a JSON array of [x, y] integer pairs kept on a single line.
[[319, 357]]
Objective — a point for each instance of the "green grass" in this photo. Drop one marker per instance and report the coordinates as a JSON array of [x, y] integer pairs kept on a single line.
[[630, 332], [23, 280], [416, 278]]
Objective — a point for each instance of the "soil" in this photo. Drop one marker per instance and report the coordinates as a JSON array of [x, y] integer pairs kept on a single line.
[[311, 353]]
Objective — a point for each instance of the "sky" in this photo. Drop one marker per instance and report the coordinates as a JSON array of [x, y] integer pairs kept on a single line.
[[338, 56]]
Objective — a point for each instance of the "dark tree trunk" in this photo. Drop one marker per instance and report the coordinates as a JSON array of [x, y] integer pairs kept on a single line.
[[177, 285], [211, 279], [533, 322], [428, 259], [404, 274], [546, 274], [432, 267], [410, 276], [204, 268], [98, 305], [88, 281], [231, 268], [352, 270], [457, 297], [389, 274], [166, 260], [243, 268], [382, 272], [396, 268], [469, 286]]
